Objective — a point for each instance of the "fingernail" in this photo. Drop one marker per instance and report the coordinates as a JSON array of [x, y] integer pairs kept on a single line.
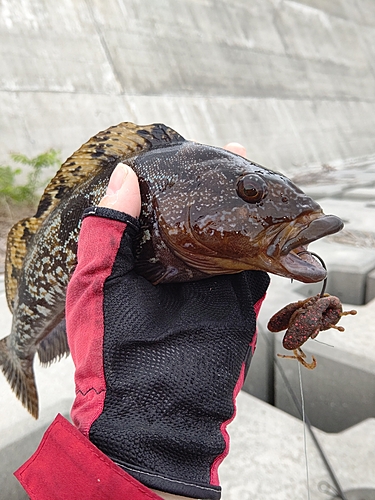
[[117, 178]]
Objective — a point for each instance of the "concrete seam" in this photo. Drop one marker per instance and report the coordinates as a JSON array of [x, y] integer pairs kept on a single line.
[[330, 14], [104, 45], [190, 95]]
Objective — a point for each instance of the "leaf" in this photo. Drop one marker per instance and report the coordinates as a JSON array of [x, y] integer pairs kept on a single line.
[[10, 190]]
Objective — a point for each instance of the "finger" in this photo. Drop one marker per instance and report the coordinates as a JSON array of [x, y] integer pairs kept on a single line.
[[123, 191], [235, 147]]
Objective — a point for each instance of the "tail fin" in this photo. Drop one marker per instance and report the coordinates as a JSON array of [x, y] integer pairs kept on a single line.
[[20, 375]]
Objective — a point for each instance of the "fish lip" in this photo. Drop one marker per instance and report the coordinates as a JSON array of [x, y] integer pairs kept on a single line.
[[302, 266], [316, 229], [294, 255]]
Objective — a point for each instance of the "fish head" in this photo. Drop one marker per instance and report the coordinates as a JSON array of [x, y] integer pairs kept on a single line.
[[224, 214]]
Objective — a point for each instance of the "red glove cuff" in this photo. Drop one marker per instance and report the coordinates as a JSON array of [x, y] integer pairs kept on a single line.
[[67, 466]]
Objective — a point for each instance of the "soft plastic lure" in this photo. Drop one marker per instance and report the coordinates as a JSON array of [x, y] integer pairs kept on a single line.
[[305, 319]]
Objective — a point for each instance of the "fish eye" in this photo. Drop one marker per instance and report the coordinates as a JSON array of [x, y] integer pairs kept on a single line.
[[251, 188]]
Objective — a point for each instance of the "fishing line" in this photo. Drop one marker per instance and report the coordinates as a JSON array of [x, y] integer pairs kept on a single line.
[[301, 410], [323, 343], [304, 430], [340, 492]]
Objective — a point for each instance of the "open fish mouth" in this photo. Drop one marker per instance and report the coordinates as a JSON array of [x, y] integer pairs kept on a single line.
[[294, 256], [280, 249]]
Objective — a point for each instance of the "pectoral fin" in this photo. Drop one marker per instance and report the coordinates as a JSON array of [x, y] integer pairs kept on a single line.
[[54, 346]]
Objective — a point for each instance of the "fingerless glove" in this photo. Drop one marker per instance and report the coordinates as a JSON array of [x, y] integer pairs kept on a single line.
[[157, 367]]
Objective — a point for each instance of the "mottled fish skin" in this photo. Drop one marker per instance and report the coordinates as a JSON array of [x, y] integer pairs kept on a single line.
[[215, 230], [41, 250], [205, 211]]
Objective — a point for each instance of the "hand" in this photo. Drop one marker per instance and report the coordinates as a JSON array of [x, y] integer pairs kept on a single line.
[[235, 147], [123, 191], [123, 195], [157, 367]]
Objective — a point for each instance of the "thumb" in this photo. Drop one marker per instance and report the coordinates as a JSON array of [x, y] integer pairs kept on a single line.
[[123, 191], [235, 147]]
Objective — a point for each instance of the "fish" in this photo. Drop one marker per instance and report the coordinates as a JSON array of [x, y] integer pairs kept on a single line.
[[205, 211]]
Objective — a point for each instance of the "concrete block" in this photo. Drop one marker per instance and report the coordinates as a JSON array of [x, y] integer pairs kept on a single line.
[[194, 21], [266, 442], [266, 459], [20, 433], [260, 378], [302, 23], [267, 455], [340, 391], [41, 68], [318, 191], [23, 445], [337, 8], [348, 267], [201, 73], [357, 215], [333, 57], [346, 179], [239, 83], [367, 9], [31, 122], [370, 286], [39, 18], [55, 388], [362, 193]]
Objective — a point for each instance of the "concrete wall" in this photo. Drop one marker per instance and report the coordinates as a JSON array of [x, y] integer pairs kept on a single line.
[[292, 80]]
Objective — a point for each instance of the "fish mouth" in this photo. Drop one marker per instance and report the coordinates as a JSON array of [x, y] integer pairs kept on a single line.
[[294, 255], [280, 248]]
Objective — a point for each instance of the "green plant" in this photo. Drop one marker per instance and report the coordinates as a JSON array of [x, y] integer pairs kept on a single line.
[[11, 191]]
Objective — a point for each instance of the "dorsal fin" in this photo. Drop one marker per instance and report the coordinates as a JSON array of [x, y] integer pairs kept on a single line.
[[107, 148], [103, 150]]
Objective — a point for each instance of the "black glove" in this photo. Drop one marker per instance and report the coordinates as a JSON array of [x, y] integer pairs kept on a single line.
[[157, 367]]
